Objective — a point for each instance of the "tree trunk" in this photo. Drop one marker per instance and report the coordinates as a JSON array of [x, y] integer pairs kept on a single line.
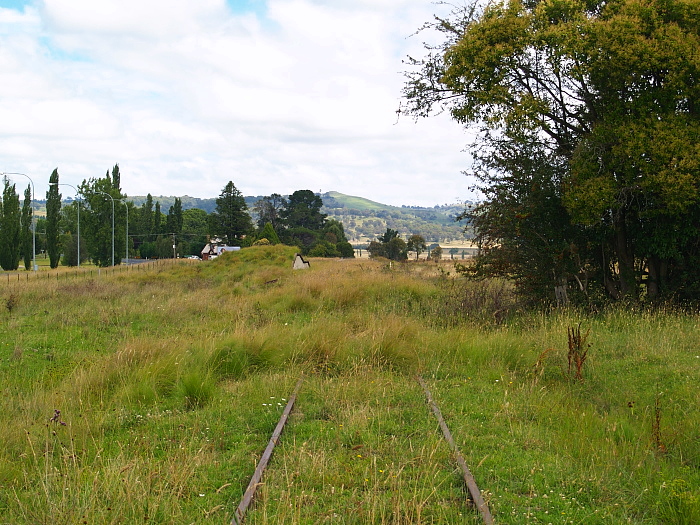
[[625, 257], [658, 272]]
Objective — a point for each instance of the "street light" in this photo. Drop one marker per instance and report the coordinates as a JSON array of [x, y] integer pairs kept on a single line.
[[33, 223], [112, 199], [77, 193]]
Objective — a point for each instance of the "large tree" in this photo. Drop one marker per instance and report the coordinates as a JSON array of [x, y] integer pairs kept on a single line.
[[53, 220], [588, 124], [230, 220], [389, 245], [303, 210], [104, 220], [416, 243], [10, 236], [195, 227], [268, 209]]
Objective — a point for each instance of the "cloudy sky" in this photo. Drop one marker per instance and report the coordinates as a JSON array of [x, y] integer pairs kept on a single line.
[[275, 95]]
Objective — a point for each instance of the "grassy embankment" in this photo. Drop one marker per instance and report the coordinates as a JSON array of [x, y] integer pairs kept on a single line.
[[170, 381]]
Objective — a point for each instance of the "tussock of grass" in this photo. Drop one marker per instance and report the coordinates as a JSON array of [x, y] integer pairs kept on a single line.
[[171, 378]]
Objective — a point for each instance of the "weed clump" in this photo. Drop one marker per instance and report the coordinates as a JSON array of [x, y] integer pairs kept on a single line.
[[196, 389], [578, 350], [230, 360], [678, 503], [485, 302], [11, 302]]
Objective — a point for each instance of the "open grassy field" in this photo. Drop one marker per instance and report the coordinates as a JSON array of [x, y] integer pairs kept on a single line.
[[171, 379]]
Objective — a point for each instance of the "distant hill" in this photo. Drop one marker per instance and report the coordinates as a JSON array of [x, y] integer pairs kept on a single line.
[[333, 199], [362, 219], [208, 205]]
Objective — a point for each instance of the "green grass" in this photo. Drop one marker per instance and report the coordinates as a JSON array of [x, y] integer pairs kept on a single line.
[[171, 379]]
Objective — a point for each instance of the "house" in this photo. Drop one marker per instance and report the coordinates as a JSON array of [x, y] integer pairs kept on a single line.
[[208, 251], [300, 263], [212, 251]]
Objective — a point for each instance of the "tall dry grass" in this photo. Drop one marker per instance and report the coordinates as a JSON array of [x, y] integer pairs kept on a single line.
[[170, 380]]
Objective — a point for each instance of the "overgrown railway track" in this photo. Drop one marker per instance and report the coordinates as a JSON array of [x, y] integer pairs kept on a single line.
[[255, 481]]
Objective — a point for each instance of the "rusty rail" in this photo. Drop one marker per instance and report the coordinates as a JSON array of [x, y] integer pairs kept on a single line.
[[249, 494], [466, 473]]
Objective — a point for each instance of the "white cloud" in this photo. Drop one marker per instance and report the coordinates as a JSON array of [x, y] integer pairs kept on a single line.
[[145, 18], [188, 95]]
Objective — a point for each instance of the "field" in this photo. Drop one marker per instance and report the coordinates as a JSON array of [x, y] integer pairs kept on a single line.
[[148, 396]]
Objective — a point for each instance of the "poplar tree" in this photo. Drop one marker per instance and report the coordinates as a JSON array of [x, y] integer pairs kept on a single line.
[[116, 178], [10, 229], [27, 250], [53, 219], [157, 220]]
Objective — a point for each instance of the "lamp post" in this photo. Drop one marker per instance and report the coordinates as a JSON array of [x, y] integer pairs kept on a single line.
[[126, 261], [112, 199], [33, 223]]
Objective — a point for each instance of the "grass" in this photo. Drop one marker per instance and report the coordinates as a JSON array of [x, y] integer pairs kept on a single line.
[[171, 379]]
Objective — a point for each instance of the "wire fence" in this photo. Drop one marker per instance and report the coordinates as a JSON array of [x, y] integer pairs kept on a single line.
[[134, 265]]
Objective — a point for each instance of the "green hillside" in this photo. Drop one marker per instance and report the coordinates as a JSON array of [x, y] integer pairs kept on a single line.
[[364, 219], [333, 199]]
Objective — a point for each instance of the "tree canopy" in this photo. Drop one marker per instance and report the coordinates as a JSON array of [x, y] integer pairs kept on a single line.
[[303, 210], [103, 219], [389, 245], [587, 149]]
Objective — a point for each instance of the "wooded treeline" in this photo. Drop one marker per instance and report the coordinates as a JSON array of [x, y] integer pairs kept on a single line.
[[587, 121], [101, 225]]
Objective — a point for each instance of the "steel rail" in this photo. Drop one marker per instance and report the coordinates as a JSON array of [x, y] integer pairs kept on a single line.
[[249, 494], [474, 491]]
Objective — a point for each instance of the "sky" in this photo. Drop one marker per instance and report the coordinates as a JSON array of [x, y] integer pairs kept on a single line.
[[274, 95]]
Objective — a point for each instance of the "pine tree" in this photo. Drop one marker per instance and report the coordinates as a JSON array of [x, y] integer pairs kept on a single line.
[[231, 219]]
